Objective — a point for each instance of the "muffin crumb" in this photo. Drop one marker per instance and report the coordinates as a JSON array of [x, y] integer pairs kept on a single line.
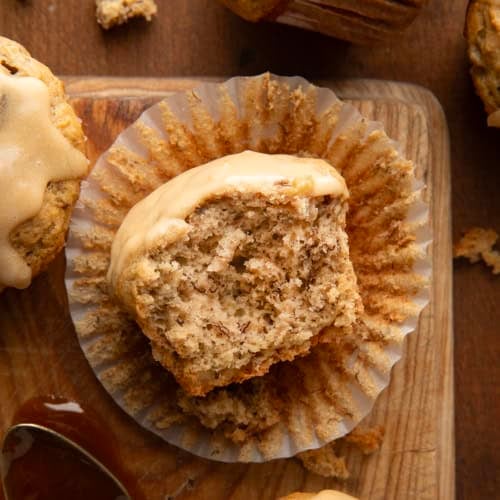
[[328, 462], [325, 462], [115, 12], [476, 244], [367, 440]]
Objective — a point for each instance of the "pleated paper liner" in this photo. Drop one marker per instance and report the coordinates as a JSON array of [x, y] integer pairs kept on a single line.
[[360, 21], [298, 405]]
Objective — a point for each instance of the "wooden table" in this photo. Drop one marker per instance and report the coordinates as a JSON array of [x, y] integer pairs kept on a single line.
[[201, 38]]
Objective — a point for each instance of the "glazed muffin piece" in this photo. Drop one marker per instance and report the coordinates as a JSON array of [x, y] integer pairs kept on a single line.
[[483, 37], [39, 123], [321, 495], [236, 265]]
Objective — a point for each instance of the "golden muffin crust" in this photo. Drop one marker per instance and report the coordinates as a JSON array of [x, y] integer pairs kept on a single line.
[[39, 239], [255, 10], [483, 36], [321, 495], [111, 13]]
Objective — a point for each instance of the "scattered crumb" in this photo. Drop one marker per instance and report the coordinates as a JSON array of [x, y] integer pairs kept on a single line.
[[114, 12], [477, 243], [327, 462], [366, 440]]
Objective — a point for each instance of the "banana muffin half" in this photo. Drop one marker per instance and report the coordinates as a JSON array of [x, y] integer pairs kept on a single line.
[[236, 265]]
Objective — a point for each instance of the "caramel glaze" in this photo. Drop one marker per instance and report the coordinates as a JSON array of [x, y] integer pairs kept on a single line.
[[51, 470]]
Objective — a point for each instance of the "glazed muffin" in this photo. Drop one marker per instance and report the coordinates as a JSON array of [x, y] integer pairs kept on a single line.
[[42, 184], [322, 495], [483, 36], [238, 264], [297, 405], [361, 21]]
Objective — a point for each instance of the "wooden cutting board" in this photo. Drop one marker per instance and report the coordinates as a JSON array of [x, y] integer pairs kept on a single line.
[[39, 353]]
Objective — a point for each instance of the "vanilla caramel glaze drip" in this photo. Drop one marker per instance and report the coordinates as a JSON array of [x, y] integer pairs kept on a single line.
[[33, 152], [161, 215]]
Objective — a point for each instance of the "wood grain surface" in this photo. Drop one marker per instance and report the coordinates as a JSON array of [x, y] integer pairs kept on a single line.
[[416, 460], [200, 37]]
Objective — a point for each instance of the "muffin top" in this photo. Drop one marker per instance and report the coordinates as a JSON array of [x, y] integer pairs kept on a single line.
[[255, 10], [41, 142], [321, 495], [162, 213]]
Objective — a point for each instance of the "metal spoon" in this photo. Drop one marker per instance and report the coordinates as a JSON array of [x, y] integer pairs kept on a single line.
[[31, 442]]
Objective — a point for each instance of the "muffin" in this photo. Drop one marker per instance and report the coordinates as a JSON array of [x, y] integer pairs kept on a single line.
[[360, 21], [298, 404], [322, 495], [482, 31], [43, 144], [235, 265]]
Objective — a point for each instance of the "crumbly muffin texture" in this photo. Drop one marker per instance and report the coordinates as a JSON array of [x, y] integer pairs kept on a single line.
[[239, 410], [483, 36], [39, 239], [477, 243], [252, 283], [114, 12], [330, 461]]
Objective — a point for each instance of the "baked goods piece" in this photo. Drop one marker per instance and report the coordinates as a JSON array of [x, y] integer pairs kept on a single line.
[[325, 461], [236, 265], [256, 10], [477, 243], [111, 13], [483, 36], [322, 495], [41, 145], [329, 461], [362, 21], [309, 401], [367, 440]]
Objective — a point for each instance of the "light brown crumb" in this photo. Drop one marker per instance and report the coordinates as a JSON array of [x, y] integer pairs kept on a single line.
[[477, 243], [327, 462], [114, 12], [366, 440]]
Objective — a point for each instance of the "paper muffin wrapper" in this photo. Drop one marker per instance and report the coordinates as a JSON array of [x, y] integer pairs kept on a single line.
[[362, 21], [298, 405]]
